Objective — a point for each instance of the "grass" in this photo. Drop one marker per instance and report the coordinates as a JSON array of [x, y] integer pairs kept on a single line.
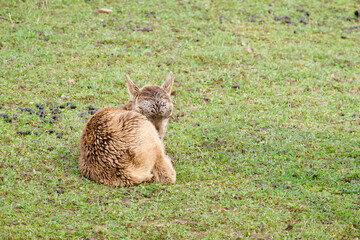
[[265, 133]]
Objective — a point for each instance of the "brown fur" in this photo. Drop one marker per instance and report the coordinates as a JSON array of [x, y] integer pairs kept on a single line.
[[122, 148], [153, 102]]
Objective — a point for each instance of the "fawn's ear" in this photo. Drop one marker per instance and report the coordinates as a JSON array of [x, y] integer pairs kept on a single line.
[[132, 88], [167, 85]]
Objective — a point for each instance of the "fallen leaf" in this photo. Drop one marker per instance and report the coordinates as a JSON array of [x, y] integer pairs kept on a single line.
[[289, 227], [71, 81], [181, 221], [150, 14], [249, 50], [105, 10], [126, 202], [144, 29]]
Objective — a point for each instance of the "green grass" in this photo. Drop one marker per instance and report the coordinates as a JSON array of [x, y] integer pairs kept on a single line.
[[276, 157]]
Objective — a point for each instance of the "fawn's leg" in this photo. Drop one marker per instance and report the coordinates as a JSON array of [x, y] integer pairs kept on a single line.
[[140, 174], [164, 171]]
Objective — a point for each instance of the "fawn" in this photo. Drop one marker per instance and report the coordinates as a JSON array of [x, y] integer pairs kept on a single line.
[[123, 148], [152, 101]]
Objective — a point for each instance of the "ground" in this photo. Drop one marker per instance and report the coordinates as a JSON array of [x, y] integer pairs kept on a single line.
[[265, 132]]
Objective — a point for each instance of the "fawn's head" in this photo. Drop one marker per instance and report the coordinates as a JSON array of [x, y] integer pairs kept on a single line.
[[153, 102]]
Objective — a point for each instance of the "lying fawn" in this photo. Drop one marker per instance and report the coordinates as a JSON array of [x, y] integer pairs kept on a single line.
[[123, 148], [152, 101]]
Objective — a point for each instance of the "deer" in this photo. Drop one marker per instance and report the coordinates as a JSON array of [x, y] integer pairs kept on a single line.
[[124, 147]]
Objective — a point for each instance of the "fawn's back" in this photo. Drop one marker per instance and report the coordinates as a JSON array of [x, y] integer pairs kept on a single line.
[[121, 148]]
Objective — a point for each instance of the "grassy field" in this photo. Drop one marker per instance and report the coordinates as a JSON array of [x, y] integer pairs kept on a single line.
[[265, 132]]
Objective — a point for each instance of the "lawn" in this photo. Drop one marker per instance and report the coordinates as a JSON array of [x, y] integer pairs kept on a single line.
[[265, 132]]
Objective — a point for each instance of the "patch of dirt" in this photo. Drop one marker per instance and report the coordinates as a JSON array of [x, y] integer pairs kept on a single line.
[[352, 29], [148, 28]]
